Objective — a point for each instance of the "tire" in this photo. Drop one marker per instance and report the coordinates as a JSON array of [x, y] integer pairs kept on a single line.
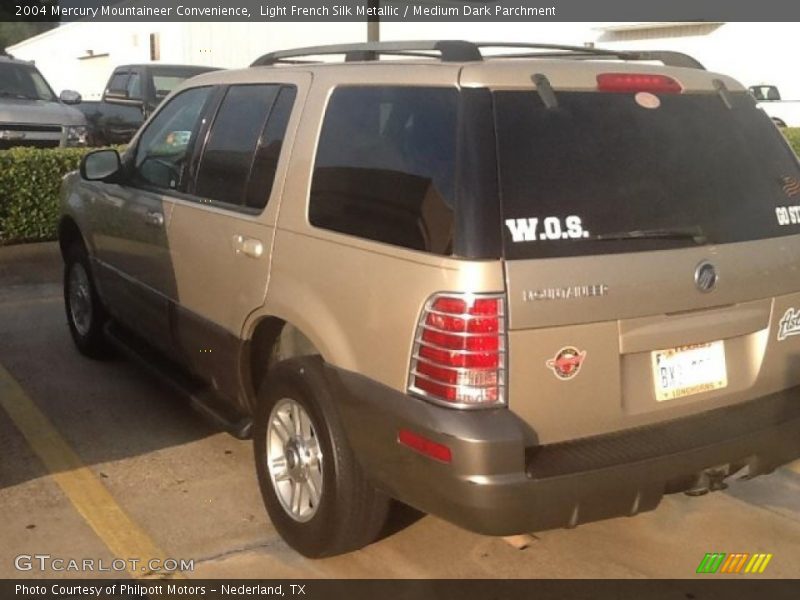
[[350, 513], [86, 316]]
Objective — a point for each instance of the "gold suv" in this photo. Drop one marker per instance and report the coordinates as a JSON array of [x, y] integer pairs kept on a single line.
[[518, 290]]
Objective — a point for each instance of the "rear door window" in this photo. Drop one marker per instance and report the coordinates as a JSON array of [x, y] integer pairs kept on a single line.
[[231, 143], [268, 150], [385, 166], [669, 172], [241, 154]]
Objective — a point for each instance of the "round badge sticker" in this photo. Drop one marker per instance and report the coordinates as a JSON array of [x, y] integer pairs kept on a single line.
[[647, 100]]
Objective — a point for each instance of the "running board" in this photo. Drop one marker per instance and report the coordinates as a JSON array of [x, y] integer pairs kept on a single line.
[[200, 396]]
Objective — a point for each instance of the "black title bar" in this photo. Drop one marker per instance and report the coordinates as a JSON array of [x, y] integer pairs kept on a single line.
[[718, 588], [399, 10]]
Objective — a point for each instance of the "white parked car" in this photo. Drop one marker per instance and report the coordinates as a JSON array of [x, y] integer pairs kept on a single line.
[[785, 113]]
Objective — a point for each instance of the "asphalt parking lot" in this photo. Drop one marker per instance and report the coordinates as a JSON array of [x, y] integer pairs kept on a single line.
[[97, 460]]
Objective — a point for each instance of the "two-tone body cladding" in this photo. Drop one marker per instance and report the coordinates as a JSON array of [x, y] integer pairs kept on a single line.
[[519, 293]]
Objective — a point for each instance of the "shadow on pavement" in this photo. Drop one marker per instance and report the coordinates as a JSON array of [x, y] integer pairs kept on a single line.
[[107, 410]]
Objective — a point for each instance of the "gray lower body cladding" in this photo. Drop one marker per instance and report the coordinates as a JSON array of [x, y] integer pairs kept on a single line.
[[501, 482]]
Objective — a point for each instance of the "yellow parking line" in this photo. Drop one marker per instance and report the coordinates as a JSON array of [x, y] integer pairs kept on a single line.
[[124, 538]]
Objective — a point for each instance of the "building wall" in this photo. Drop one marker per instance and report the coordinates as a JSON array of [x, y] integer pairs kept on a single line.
[[751, 52], [80, 56]]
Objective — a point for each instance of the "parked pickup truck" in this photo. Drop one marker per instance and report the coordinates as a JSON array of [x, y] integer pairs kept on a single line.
[[785, 113], [30, 112], [131, 95]]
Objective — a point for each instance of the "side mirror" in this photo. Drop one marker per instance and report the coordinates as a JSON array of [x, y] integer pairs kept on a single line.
[[100, 165], [70, 97]]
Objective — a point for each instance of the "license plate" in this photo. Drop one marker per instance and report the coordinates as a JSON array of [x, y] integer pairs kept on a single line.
[[688, 370]]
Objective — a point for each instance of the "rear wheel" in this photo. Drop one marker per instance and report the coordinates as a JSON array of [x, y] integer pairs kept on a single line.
[[316, 494], [85, 313]]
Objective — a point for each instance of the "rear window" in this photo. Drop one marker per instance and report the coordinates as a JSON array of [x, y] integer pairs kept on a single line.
[[663, 172]]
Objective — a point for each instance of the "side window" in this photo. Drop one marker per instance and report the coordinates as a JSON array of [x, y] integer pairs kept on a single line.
[[385, 166], [265, 163], [241, 152], [134, 87], [118, 82], [163, 150]]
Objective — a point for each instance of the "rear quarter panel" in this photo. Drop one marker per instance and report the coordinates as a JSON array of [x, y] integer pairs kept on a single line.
[[356, 300]]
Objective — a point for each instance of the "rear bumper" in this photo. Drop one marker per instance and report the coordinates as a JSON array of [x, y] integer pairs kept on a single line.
[[500, 482]]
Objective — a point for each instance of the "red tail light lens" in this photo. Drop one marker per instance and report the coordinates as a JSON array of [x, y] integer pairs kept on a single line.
[[459, 352], [637, 82], [425, 446]]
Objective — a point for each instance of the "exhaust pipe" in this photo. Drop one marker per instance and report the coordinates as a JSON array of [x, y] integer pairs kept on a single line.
[[710, 480]]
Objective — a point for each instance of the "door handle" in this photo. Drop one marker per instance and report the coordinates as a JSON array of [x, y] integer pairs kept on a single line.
[[248, 246], [154, 218]]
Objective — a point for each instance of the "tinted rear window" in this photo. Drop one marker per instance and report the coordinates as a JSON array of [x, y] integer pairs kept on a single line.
[[600, 164]]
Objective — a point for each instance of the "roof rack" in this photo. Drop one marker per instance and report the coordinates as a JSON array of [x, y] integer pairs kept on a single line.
[[462, 51]]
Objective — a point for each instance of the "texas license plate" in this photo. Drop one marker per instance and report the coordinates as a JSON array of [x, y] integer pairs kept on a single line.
[[688, 370]]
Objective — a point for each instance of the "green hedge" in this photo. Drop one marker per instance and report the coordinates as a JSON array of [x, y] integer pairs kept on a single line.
[[30, 179], [29, 183], [793, 135]]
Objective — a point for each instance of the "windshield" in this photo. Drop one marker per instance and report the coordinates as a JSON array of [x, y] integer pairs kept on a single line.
[[23, 82], [617, 172]]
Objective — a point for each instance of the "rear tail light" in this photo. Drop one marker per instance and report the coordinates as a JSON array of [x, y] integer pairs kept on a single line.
[[637, 82], [459, 356]]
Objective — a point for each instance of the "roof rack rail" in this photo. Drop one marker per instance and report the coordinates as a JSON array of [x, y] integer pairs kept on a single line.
[[669, 58], [462, 51], [449, 51]]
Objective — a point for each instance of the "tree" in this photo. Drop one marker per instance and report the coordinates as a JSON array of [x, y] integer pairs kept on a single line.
[[11, 33], [13, 29]]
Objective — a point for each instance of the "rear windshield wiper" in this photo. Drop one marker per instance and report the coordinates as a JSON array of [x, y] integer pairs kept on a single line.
[[690, 233]]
